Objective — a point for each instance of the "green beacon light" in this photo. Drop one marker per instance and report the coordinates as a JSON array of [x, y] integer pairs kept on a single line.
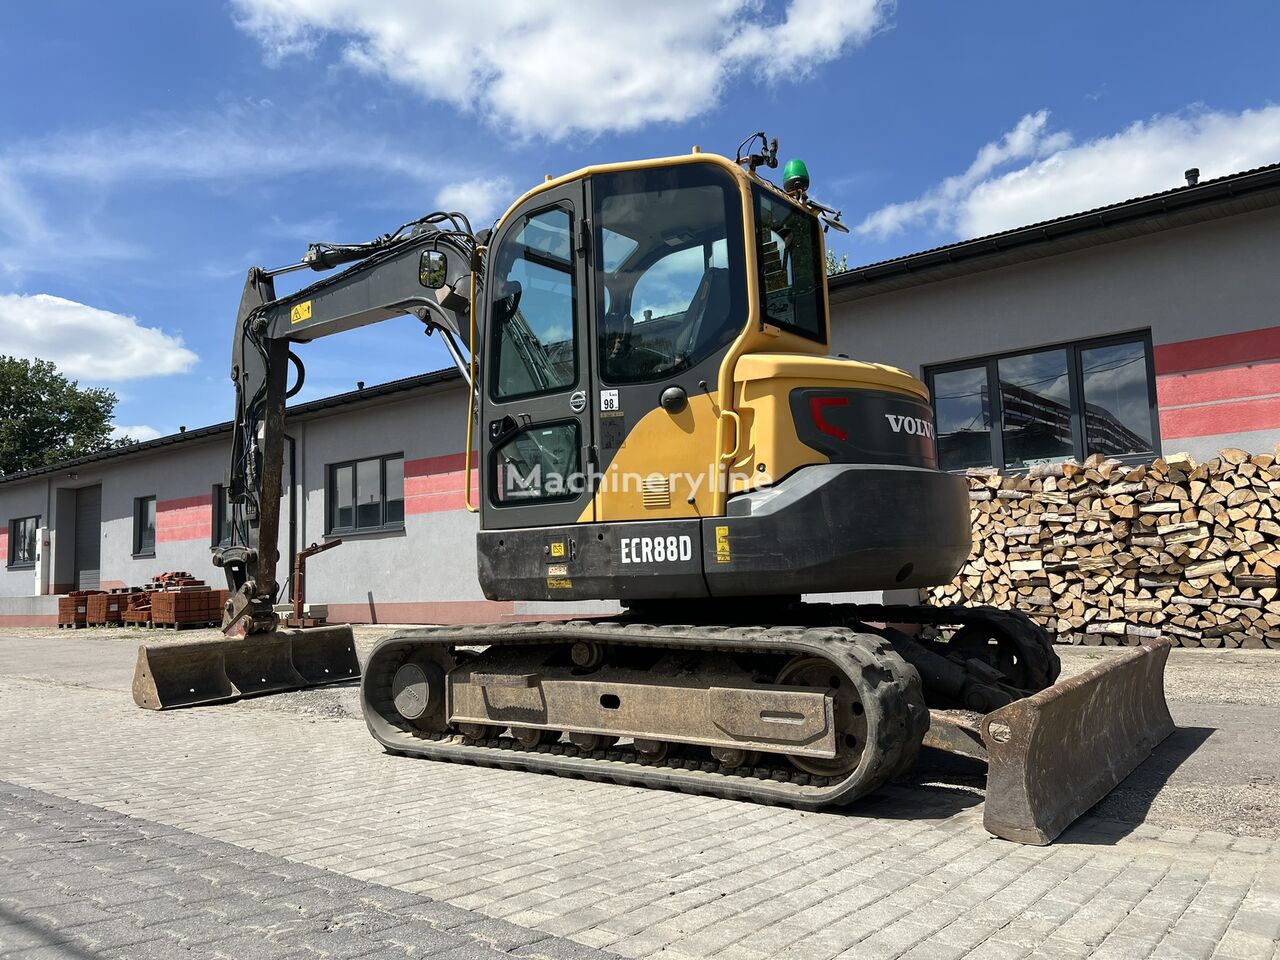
[[795, 176]]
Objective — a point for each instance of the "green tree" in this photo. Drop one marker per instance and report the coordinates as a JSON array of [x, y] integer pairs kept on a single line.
[[44, 417], [835, 266]]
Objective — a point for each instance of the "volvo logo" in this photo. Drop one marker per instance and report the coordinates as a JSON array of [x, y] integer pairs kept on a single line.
[[578, 401], [916, 426]]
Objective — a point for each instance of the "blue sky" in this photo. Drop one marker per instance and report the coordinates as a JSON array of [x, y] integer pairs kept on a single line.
[[151, 151]]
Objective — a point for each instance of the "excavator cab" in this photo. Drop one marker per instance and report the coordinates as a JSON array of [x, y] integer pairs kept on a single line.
[[656, 417], [654, 371]]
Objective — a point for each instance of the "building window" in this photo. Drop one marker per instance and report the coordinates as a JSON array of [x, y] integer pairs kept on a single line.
[[222, 515], [144, 527], [367, 495], [22, 542], [1045, 406]]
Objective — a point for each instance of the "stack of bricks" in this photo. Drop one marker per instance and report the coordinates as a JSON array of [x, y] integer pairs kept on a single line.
[[1104, 553], [172, 579], [73, 609], [138, 610], [105, 609], [174, 608]]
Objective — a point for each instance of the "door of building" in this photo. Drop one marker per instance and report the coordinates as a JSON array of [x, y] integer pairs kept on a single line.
[[88, 549]]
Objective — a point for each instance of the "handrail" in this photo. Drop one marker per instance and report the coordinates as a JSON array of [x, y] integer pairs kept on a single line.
[[471, 397]]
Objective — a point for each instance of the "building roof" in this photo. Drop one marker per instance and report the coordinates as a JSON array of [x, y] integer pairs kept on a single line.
[[1221, 197], [380, 391]]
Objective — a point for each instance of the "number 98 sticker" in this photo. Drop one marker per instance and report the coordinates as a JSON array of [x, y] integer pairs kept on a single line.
[[608, 400]]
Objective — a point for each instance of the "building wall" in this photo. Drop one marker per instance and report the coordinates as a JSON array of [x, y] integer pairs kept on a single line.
[[1209, 293], [26, 500], [181, 478], [426, 572]]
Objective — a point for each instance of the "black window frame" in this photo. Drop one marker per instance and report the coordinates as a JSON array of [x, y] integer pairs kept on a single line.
[[140, 550], [1075, 376], [496, 329], [331, 500], [569, 493], [221, 516], [823, 337], [11, 562]]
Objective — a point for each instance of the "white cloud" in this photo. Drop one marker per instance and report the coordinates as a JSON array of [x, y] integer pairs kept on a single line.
[[241, 141], [138, 432], [1033, 174], [481, 199], [85, 342], [552, 68], [244, 143]]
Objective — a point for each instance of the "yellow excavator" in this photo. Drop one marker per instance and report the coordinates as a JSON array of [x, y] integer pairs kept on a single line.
[[656, 418]]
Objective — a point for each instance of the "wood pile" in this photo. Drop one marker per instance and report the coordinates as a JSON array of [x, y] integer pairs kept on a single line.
[[1104, 553]]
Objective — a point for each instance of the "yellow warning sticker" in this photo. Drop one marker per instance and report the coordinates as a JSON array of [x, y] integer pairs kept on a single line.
[[301, 312], [722, 544], [557, 549], [559, 583]]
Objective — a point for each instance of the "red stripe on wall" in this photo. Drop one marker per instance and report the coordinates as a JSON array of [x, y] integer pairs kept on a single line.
[[186, 518], [4, 544], [1214, 386], [435, 484], [449, 463], [1218, 418], [1223, 351], [28, 619]]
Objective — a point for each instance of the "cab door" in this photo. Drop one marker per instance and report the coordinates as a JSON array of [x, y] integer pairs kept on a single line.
[[535, 423]]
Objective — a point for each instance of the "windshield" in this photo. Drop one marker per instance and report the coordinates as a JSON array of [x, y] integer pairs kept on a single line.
[[791, 269], [670, 258]]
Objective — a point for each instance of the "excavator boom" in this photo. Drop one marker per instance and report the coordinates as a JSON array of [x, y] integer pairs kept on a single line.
[[426, 273]]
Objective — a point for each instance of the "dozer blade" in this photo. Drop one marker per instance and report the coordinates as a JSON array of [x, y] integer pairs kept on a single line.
[[187, 674], [1053, 755]]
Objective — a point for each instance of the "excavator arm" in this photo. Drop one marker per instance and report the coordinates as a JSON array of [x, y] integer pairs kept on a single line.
[[431, 273]]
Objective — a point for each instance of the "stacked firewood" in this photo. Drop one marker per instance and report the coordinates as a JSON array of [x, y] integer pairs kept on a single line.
[[1104, 553]]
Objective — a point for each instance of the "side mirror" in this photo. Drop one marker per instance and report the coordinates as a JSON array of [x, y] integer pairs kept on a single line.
[[431, 269]]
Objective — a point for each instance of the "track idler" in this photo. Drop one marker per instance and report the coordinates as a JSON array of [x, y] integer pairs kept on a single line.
[[190, 673]]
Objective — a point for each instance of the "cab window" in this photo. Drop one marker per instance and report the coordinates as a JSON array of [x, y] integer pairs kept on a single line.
[[789, 251], [670, 258], [533, 321]]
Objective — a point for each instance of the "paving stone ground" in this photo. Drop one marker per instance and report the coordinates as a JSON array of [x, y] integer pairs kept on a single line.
[[79, 881], [637, 873]]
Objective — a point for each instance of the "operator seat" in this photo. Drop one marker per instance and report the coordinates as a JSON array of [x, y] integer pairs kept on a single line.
[[709, 319]]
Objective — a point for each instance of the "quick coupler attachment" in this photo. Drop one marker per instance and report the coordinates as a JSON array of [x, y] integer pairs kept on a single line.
[[187, 674], [1053, 755]]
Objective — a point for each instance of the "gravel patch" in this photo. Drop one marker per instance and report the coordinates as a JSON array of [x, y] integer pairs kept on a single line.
[[1195, 675]]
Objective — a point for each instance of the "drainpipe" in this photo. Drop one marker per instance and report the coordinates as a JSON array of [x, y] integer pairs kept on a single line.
[[48, 522], [293, 510]]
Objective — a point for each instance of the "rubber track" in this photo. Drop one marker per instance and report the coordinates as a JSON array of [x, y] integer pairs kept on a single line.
[[1031, 639], [890, 688]]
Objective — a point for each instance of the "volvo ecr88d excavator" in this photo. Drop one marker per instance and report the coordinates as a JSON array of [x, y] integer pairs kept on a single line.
[[657, 419]]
